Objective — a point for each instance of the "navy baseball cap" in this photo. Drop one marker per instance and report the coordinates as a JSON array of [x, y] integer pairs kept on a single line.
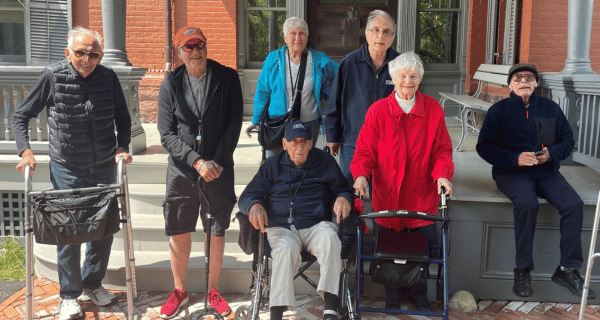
[[297, 129]]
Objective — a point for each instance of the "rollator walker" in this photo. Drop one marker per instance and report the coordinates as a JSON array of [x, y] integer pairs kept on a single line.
[[407, 255], [122, 195], [591, 258]]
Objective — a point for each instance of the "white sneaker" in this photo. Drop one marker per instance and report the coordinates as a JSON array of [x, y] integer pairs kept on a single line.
[[69, 309], [99, 297]]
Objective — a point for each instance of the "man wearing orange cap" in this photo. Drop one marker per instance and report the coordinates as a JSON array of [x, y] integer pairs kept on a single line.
[[199, 119]]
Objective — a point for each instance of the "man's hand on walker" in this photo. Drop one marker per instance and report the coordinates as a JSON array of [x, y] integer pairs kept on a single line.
[[122, 153]]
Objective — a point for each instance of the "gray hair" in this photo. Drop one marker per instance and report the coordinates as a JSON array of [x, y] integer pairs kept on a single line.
[[380, 13], [78, 31], [294, 22], [407, 61]]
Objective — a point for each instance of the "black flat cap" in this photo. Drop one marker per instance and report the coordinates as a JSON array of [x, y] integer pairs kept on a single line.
[[523, 67]]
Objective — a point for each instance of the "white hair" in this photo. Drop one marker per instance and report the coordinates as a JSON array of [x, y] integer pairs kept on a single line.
[[380, 13], [78, 31], [407, 61], [294, 22]]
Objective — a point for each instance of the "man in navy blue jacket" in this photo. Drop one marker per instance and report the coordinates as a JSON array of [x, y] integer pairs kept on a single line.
[[525, 137], [297, 184], [363, 78]]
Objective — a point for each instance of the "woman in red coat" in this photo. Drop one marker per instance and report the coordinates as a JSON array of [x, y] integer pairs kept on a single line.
[[405, 147]]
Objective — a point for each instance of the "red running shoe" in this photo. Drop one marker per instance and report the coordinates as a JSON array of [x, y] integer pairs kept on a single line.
[[217, 302], [173, 304]]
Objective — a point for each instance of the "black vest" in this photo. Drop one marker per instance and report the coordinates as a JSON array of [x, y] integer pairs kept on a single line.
[[81, 120]]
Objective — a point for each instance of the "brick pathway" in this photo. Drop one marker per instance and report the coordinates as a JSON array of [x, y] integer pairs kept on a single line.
[[309, 307]]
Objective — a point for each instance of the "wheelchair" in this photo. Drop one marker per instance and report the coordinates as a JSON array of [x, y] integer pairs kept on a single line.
[[405, 247], [260, 286]]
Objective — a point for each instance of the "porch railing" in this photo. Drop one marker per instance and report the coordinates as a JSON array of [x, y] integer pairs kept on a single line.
[[15, 83], [579, 98]]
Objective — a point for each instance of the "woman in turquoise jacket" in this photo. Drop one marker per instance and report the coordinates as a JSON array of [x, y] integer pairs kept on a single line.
[[279, 78]]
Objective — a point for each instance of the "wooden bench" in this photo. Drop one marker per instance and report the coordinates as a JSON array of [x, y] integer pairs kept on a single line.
[[469, 105]]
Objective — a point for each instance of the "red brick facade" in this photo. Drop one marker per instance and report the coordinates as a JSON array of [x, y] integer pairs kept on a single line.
[[145, 42], [542, 38]]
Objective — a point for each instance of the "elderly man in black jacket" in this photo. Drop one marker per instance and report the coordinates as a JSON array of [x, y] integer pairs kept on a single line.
[[85, 105], [298, 183], [199, 120]]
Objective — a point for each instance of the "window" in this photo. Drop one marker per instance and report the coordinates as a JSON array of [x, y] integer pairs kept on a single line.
[[264, 28], [437, 31], [12, 31], [49, 24]]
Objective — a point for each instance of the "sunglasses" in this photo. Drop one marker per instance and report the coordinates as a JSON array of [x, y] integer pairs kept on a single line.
[[80, 54], [190, 47], [519, 77]]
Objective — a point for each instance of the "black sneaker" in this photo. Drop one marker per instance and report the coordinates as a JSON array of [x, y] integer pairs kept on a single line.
[[571, 280], [522, 286]]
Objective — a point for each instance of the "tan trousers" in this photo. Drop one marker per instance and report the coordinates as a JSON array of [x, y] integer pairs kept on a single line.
[[322, 241]]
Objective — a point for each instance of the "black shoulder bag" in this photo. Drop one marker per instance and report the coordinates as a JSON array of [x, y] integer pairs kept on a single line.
[[270, 130]]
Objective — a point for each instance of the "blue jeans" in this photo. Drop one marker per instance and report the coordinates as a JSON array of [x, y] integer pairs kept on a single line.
[[71, 277], [346, 155]]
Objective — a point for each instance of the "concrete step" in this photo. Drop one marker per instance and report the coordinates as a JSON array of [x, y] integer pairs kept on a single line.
[[155, 173], [153, 271], [148, 199]]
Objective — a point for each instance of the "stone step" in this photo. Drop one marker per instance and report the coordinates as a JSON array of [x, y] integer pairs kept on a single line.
[[153, 271], [148, 199], [155, 173]]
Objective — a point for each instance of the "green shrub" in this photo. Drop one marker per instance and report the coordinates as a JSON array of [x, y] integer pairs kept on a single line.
[[12, 260]]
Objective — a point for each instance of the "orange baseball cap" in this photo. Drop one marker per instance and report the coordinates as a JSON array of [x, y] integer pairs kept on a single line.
[[186, 34]]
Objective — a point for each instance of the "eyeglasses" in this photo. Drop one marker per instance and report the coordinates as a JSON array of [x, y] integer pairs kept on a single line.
[[385, 32], [91, 55], [190, 47], [519, 77]]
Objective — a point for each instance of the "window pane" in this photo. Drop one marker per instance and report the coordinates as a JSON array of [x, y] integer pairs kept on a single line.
[[265, 33], [266, 3], [438, 4], [437, 36], [12, 28]]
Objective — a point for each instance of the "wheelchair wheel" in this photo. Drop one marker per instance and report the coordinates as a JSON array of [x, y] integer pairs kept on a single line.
[[243, 313]]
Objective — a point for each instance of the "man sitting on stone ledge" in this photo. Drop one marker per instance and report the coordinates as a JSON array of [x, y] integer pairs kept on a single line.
[[525, 137]]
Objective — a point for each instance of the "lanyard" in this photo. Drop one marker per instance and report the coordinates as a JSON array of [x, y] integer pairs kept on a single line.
[[200, 111], [293, 83], [291, 218]]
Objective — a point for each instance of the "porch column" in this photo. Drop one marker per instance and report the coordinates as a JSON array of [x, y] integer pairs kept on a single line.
[[579, 35], [113, 22], [113, 25]]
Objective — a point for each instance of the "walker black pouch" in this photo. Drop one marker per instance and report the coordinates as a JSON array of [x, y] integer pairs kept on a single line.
[[75, 219], [388, 273]]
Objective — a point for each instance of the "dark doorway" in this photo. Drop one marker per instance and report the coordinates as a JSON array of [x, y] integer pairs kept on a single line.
[[338, 27]]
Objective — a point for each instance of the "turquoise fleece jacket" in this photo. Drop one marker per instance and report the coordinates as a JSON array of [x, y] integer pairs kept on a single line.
[[270, 89]]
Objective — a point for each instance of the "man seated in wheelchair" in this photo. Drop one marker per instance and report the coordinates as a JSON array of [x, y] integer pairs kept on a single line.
[[299, 183]]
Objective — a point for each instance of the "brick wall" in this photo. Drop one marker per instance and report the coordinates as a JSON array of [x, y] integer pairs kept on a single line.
[[475, 41], [544, 35], [543, 38], [145, 41]]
